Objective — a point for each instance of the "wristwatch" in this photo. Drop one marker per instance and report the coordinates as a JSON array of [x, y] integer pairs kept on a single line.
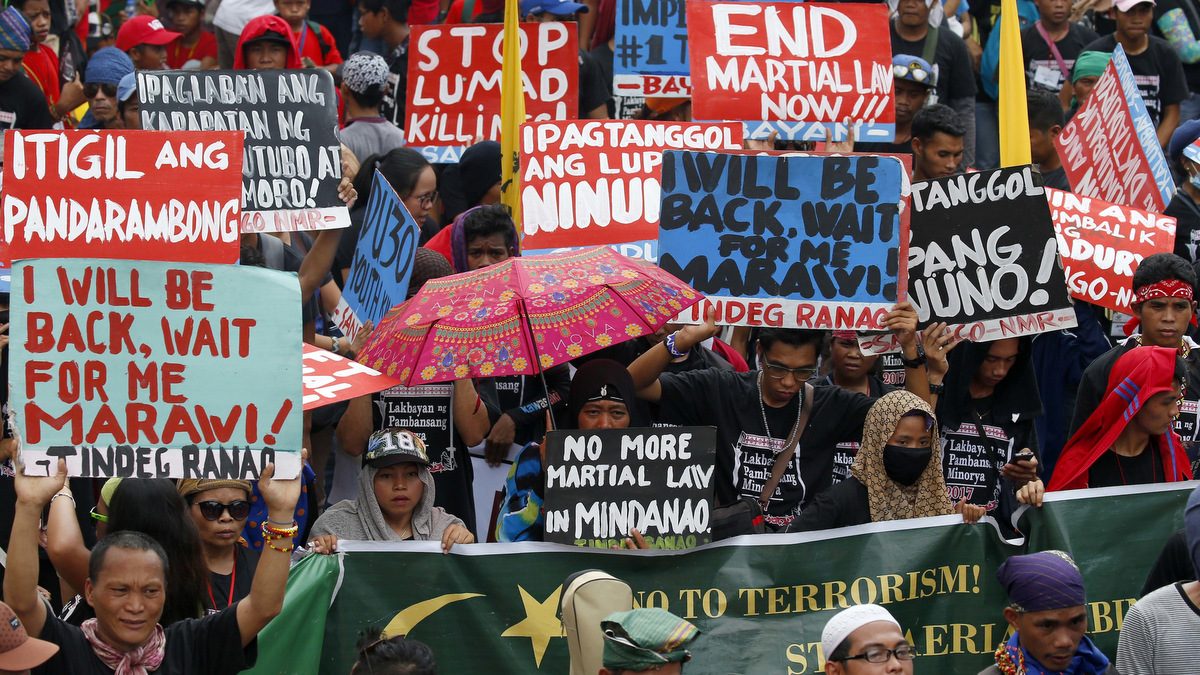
[[937, 389], [917, 362]]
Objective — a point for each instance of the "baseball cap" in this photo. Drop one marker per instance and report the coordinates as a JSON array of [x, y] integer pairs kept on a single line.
[[395, 446], [143, 30], [198, 4], [914, 69], [1126, 5], [1183, 139], [555, 7], [127, 87], [269, 36], [18, 651]]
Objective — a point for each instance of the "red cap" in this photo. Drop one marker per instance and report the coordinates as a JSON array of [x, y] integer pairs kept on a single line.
[[143, 30], [18, 651]]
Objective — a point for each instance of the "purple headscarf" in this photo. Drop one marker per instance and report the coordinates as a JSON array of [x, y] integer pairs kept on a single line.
[[1042, 581]]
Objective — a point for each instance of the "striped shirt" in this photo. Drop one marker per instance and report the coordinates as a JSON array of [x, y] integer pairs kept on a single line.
[[1158, 636]]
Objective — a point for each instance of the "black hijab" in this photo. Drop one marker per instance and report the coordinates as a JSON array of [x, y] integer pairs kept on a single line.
[[588, 382]]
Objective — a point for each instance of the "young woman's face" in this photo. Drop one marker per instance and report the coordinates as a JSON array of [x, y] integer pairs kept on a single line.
[[398, 489], [911, 433], [424, 191], [485, 251], [38, 14], [1157, 415]]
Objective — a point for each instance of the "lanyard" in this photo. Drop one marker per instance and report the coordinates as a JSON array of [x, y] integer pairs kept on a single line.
[[303, 37], [1062, 66], [232, 585]]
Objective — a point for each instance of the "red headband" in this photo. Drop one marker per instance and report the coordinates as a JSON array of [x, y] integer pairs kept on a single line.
[[1167, 288]]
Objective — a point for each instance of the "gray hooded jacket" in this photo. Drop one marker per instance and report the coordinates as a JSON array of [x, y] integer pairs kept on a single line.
[[361, 519]]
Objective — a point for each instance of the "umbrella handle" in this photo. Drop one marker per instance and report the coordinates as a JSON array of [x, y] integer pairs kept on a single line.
[[537, 360]]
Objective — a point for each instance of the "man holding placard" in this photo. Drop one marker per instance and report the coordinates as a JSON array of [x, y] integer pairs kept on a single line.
[[782, 453]]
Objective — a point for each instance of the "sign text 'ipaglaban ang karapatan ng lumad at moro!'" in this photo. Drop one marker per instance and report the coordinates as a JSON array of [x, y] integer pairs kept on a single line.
[[154, 369]]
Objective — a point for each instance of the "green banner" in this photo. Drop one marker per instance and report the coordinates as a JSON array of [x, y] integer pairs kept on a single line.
[[761, 601]]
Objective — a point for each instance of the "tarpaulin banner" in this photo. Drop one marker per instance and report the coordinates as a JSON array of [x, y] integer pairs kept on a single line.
[[786, 241], [329, 378], [153, 369], [1110, 148], [454, 83], [117, 194], [807, 65], [761, 600], [650, 51], [292, 161], [983, 256], [383, 260], [1101, 244], [603, 483], [587, 183]]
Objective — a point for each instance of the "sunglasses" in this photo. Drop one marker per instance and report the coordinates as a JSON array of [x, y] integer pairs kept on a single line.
[[90, 90], [239, 510], [914, 69]]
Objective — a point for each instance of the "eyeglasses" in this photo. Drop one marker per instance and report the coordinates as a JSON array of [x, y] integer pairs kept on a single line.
[[913, 69], [905, 653], [239, 510], [98, 516], [427, 199], [779, 372], [91, 89]]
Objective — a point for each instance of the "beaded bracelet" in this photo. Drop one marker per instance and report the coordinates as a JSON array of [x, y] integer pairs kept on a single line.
[[290, 531]]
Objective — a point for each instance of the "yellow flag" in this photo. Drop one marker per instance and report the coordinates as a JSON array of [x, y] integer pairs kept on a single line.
[[512, 113], [1014, 110]]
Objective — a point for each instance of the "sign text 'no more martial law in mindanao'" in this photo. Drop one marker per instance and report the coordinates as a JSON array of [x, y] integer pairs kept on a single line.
[[292, 161], [156, 369], [786, 241]]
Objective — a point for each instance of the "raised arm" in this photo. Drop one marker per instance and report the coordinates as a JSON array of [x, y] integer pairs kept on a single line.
[[646, 369], [64, 541], [902, 320], [470, 414], [21, 570], [270, 579]]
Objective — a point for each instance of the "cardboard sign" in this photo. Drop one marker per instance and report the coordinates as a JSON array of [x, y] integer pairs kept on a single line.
[[603, 483], [383, 259], [983, 256], [426, 411], [1101, 244], [80, 194], [293, 159], [329, 378], [805, 64], [794, 242], [454, 77], [650, 54], [156, 370], [599, 183], [1110, 147]]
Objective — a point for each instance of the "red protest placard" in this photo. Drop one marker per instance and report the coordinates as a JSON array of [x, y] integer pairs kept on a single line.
[[169, 196], [587, 183], [454, 80], [1101, 244], [329, 378], [790, 62]]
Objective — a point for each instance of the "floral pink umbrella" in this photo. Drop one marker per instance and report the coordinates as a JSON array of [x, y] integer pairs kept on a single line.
[[523, 315]]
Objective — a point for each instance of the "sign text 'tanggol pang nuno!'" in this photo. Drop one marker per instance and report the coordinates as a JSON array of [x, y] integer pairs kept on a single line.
[[454, 75], [793, 242], [1101, 244], [79, 194], [983, 256], [155, 369], [293, 160], [587, 183], [804, 65]]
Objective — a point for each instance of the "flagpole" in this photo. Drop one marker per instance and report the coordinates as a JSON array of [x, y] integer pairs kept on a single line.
[[512, 114]]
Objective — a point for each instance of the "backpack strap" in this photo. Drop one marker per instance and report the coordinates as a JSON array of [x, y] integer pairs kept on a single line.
[[316, 29], [785, 457]]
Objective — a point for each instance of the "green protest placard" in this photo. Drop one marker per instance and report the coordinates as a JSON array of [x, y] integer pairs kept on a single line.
[[761, 601]]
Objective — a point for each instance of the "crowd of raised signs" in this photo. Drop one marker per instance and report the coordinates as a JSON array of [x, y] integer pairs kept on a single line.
[[778, 426]]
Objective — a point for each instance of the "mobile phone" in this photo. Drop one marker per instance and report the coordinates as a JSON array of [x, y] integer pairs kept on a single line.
[[1023, 456]]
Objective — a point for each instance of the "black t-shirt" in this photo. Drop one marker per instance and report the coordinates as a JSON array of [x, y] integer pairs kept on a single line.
[[193, 647], [425, 411], [1057, 179], [1186, 213], [22, 106], [901, 148], [745, 454], [1111, 469], [1192, 14], [1157, 71], [1038, 55], [952, 63], [244, 563], [396, 98], [971, 461], [1174, 564], [619, 107], [847, 450], [593, 92], [845, 504]]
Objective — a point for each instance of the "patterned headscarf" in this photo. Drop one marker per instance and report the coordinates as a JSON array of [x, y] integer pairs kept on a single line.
[[888, 499], [365, 71], [15, 33]]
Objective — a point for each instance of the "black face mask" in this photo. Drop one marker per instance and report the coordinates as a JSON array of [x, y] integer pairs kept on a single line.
[[905, 465]]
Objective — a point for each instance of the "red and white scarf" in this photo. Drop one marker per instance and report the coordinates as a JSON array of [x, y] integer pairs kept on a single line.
[[141, 660]]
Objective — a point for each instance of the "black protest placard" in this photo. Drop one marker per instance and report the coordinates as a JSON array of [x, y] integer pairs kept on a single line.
[[983, 256], [292, 160], [601, 484]]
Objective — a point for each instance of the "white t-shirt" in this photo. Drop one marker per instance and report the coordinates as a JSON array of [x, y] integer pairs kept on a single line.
[[233, 15]]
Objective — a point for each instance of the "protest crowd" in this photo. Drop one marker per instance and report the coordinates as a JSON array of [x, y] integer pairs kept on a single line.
[[792, 284]]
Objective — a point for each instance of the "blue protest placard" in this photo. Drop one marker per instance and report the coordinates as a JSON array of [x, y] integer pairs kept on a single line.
[[650, 55], [382, 266], [796, 242], [1146, 133], [156, 369]]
